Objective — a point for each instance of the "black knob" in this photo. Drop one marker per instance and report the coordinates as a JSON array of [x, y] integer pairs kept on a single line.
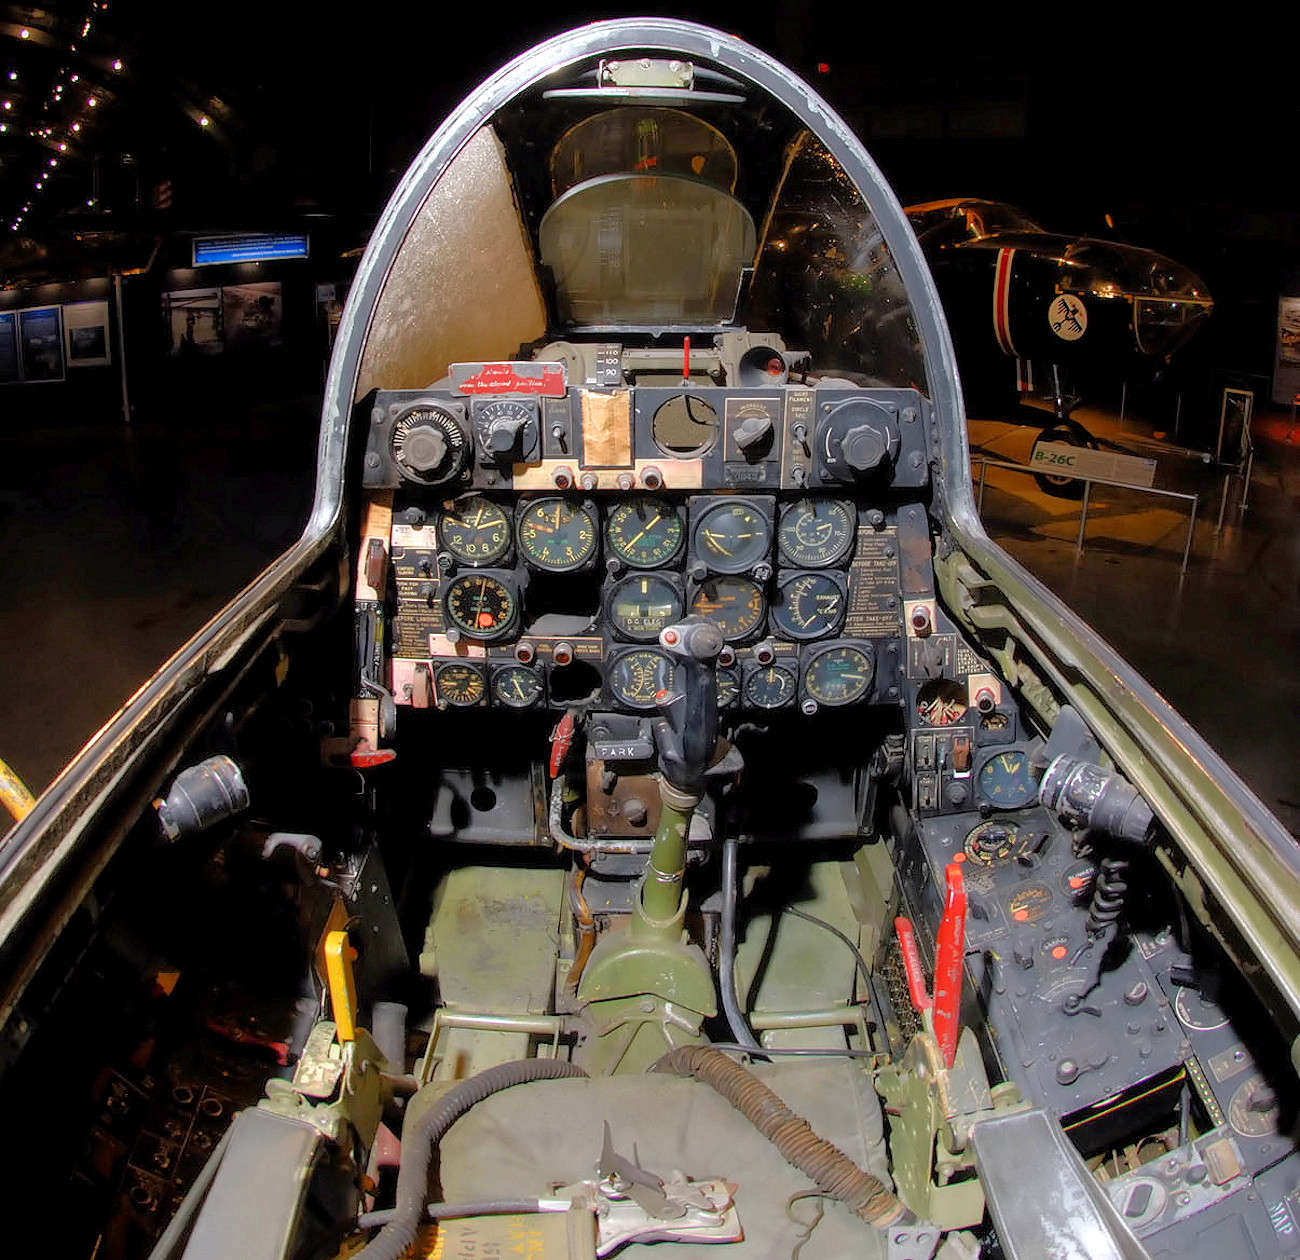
[[424, 448], [504, 436], [865, 447], [754, 436]]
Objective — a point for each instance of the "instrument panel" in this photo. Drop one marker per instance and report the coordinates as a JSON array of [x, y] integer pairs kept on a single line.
[[537, 543]]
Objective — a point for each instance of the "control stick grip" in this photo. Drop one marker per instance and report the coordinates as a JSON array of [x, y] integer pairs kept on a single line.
[[686, 732]]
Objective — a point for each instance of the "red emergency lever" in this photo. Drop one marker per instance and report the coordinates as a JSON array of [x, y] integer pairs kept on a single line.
[[945, 1006]]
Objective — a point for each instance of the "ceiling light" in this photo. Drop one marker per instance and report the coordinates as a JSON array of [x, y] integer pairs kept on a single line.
[[203, 122], [92, 101], [76, 126], [117, 65], [24, 34]]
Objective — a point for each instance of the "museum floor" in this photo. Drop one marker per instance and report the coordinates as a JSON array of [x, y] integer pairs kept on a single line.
[[117, 543]]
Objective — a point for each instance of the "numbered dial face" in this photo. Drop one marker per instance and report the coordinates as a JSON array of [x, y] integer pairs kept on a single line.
[[644, 532], [557, 535], [732, 537], [839, 675], [771, 687], [475, 530], [637, 677], [815, 533], [481, 606], [808, 606], [1006, 782], [993, 842], [428, 445], [639, 607], [459, 685], [728, 687], [516, 687], [734, 604]]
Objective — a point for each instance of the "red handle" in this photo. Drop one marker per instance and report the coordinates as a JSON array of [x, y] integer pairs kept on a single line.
[[949, 951], [912, 965]]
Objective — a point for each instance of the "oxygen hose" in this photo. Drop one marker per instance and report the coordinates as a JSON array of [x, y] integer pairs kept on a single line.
[[863, 1193], [419, 1144]]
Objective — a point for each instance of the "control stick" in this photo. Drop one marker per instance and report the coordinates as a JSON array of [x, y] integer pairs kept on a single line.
[[687, 732]]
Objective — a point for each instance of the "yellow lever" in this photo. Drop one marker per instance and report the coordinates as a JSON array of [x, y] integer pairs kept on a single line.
[[339, 956], [14, 795]]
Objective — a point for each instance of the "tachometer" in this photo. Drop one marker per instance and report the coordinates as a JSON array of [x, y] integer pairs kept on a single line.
[[734, 604], [644, 532], [640, 606], [636, 677], [808, 606], [459, 685], [815, 533], [516, 686], [557, 535], [481, 606], [732, 537], [475, 530], [839, 675]]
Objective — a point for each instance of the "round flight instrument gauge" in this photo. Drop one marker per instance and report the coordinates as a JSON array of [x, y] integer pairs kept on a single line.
[[734, 604], [637, 677], [771, 687], [839, 675], [516, 687], [1006, 781], [557, 535], [728, 687], [640, 606], [475, 530], [481, 606], [732, 537], [644, 532], [808, 606], [994, 841], [815, 533], [458, 685]]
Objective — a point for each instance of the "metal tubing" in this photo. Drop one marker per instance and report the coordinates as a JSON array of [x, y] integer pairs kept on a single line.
[[534, 1025], [1191, 528], [1250, 468], [984, 469], [1223, 503], [832, 1017], [121, 348], [1083, 514]]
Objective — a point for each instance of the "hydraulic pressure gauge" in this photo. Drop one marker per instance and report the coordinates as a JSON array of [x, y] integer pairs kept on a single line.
[[734, 604], [475, 530], [459, 685], [815, 533], [771, 687], [731, 536], [640, 606], [516, 686], [481, 606], [840, 674], [636, 677], [808, 605], [558, 535], [644, 532]]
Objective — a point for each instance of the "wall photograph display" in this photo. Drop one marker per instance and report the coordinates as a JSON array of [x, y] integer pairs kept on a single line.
[[40, 335], [85, 334], [10, 369], [193, 322]]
